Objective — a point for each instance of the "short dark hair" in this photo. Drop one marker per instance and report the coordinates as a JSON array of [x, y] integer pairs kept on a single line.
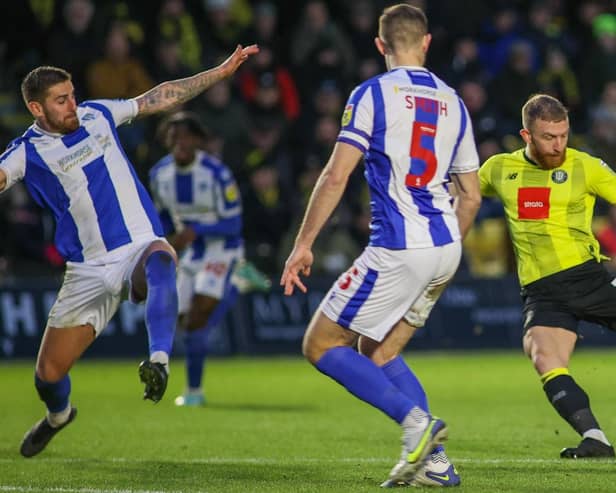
[[35, 85], [402, 26], [543, 107], [187, 119]]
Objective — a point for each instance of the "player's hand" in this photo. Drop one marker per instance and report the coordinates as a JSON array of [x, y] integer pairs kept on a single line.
[[239, 56], [299, 261]]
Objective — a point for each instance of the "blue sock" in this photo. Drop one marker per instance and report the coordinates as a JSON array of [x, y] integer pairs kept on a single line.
[[196, 351], [403, 377], [54, 395], [161, 306], [365, 380], [196, 341], [223, 307]]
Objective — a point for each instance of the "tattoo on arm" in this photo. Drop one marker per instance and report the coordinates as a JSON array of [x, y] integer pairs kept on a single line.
[[169, 94], [2, 180]]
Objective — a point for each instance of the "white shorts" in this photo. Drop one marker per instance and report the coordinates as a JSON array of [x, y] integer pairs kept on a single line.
[[92, 291], [209, 276], [383, 286]]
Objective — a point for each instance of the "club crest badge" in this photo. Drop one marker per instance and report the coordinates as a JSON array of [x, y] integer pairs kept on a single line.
[[559, 176]]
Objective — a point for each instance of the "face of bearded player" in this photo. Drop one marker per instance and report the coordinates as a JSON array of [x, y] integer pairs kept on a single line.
[[546, 142], [57, 113]]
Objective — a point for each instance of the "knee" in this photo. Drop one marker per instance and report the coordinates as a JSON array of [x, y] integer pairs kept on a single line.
[[312, 349], [49, 371], [159, 267]]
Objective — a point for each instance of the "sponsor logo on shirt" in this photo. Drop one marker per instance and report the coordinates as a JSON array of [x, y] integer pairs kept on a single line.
[[533, 203], [78, 157], [512, 176]]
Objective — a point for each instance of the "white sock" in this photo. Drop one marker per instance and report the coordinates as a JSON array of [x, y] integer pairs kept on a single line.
[[414, 425], [194, 391], [58, 419], [160, 357], [597, 434]]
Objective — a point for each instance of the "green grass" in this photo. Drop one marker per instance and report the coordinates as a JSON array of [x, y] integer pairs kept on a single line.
[[277, 425]]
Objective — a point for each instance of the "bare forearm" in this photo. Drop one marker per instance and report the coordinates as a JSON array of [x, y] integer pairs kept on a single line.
[[167, 95], [2, 180], [466, 210], [324, 199]]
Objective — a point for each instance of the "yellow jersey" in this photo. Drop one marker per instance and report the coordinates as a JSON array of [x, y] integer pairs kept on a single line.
[[549, 211]]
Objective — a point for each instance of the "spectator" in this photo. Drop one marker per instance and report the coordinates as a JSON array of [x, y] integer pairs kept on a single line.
[[319, 49], [267, 216], [225, 115], [511, 87], [264, 63], [176, 24], [71, 43]]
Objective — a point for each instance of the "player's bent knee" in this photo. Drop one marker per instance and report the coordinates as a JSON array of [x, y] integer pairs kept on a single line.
[[50, 372]]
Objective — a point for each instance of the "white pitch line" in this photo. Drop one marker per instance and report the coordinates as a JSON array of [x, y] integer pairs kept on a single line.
[[273, 461], [26, 489]]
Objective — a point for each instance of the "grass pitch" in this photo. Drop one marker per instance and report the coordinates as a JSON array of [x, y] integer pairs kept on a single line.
[[277, 425]]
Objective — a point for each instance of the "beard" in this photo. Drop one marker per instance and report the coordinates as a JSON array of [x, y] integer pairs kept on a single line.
[[63, 126], [549, 160]]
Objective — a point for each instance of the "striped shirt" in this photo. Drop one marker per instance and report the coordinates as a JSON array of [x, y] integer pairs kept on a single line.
[[204, 195], [549, 211], [87, 182], [414, 131]]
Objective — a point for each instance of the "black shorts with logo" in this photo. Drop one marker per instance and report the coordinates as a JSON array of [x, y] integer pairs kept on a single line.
[[584, 292]]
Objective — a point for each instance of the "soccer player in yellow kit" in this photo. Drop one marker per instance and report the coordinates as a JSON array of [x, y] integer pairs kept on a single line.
[[548, 191]]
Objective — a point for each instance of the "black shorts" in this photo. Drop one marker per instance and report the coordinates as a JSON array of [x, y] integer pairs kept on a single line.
[[584, 292]]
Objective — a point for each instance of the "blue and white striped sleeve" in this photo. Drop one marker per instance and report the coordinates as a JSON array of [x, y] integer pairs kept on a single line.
[[122, 110], [228, 200], [357, 119], [13, 164], [465, 157]]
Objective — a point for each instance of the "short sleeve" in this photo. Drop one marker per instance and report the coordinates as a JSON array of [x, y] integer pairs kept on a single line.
[[122, 110], [13, 163], [465, 158], [602, 180], [228, 196], [358, 118], [485, 179]]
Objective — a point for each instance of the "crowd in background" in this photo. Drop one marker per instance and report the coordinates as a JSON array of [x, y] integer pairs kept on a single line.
[[275, 122]]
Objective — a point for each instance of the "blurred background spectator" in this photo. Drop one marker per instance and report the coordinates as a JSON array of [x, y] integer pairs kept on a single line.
[[277, 120]]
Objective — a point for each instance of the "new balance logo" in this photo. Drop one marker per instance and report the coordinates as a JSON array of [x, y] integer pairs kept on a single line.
[[512, 176]]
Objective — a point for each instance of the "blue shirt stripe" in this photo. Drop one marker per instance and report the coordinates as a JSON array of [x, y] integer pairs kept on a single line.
[[422, 78], [462, 130], [39, 179], [358, 299], [106, 204], [144, 197], [184, 188], [387, 227], [75, 137], [426, 112]]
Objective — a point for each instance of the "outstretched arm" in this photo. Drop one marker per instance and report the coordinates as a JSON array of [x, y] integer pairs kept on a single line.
[[324, 199], [167, 95]]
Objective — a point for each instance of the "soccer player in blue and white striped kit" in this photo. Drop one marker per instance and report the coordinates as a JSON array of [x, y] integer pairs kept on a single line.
[[415, 135], [201, 210], [107, 228]]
